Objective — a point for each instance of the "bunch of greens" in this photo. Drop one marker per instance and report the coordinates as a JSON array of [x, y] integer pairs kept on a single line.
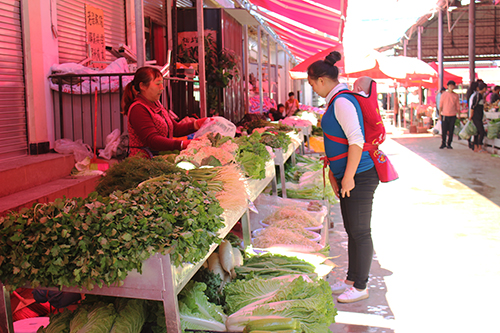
[[59, 322], [252, 155], [197, 312], [275, 139], [131, 171], [260, 123], [304, 180], [271, 265], [96, 240], [213, 284], [309, 302]]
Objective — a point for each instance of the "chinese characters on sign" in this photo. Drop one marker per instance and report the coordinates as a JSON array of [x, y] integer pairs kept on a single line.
[[94, 34]]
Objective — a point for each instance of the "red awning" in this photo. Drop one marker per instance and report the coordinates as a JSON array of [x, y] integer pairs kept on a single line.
[[305, 26]]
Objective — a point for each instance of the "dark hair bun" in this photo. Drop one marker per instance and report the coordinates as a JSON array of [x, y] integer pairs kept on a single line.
[[333, 57]]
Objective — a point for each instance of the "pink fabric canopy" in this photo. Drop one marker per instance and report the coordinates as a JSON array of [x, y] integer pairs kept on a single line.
[[305, 26]]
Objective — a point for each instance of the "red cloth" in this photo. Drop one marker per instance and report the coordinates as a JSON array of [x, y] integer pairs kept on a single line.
[[150, 125]]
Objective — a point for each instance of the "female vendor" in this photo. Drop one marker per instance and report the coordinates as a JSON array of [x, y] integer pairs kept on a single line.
[[352, 173], [151, 128]]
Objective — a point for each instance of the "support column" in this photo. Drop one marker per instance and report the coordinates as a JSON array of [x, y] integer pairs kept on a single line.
[[139, 34], [440, 56], [246, 64], [259, 68], [472, 41], [269, 66], [277, 69], [201, 58]]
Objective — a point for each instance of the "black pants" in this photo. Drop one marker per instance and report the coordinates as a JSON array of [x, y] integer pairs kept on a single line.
[[447, 129], [357, 213], [478, 138]]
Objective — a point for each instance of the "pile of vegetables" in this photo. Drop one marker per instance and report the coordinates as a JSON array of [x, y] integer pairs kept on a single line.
[[252, 155], [304, 180], [271, 303], [253, 124], [291, 216], [98, 240], [210, 149], [269, 265], [104, 314], [276, 139], [493, 128]]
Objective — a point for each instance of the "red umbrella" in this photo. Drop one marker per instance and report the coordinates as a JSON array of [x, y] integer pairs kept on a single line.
[[447, 76], [300, 71]]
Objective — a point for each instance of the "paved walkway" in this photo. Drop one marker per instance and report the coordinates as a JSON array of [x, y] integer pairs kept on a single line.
[[436, 234]]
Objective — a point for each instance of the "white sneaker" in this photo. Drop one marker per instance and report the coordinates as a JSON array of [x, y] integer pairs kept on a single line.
[[352, 295], [339, 287]]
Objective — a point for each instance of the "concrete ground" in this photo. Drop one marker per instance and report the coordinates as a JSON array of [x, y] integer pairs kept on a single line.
[[436, 234]]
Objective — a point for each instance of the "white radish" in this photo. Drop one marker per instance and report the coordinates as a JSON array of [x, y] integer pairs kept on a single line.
[[214, 265], [226, 256], [238, 258]]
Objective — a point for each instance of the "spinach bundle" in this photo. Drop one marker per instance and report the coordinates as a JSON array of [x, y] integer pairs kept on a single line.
[[96, 240]]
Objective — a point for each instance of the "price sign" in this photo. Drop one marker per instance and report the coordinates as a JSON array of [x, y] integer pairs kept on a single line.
[[94, 35]]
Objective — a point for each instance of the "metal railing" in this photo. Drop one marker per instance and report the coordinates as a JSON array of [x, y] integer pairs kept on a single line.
[[74, 99]]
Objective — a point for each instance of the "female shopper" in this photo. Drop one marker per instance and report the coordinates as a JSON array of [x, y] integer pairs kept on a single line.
[[151, 127], [352, 173], [476, 116]]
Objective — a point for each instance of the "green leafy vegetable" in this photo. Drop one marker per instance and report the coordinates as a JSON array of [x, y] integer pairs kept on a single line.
[[96, 241], [197, 312], [132, 314], [59, 323], [309, 302], [271, 265], [131, 171], [213, 282]]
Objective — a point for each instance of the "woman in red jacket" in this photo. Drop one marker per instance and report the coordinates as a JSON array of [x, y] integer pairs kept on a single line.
[[151, 127]]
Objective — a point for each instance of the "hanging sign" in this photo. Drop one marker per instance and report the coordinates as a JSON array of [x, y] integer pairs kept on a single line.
[[94, 35]]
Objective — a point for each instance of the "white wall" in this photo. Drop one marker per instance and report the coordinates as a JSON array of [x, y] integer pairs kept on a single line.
[[40, 53]]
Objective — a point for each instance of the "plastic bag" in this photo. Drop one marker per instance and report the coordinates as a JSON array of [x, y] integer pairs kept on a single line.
[[468, 130], [493, 130], [77, 148], [112, 141], [217, 125], [437, 128]]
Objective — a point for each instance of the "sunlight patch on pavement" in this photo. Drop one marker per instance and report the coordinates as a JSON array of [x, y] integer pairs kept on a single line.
[[364, 319]]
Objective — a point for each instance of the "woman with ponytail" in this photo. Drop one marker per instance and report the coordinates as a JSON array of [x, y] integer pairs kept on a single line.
[[151, 128], [352, 173]]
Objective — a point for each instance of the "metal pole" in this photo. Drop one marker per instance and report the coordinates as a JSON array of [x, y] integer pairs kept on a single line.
[[277, 75], [269, 66], [472, 41], [201, 58], [405, 45], [259, 68], [419, 42], [139, 33], [285, 78], [440, 49], [246, 62]]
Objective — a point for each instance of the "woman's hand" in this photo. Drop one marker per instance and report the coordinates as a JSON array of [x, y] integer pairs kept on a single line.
[[347, 186], [198, 123], [333, 182]]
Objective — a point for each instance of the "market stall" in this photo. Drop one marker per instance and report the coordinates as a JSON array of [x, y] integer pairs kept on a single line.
[[164, 272]]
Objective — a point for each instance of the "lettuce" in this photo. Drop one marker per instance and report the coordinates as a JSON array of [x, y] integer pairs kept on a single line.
[[310, 302], [196, 312]]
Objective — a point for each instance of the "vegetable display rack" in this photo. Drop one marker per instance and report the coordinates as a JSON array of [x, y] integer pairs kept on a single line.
[[160, 280]]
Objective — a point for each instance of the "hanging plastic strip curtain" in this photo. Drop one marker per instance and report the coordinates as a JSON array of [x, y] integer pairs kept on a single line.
[[305, 26]]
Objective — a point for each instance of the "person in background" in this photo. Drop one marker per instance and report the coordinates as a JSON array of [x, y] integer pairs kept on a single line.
[[291, 104], [495, 96], [438, 98], [471, 91], [476, 116], [352, 173], [151, 127], [274, 114], [449, 107], [281, 110]]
